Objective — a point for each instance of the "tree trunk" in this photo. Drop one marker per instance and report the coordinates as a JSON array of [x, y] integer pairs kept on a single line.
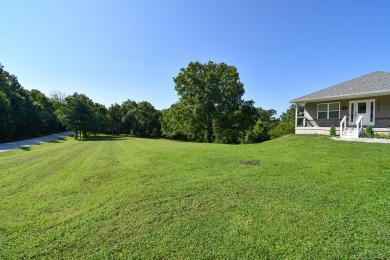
[[209, 132]]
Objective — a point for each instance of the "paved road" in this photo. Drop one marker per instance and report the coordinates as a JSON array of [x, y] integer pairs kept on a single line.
[[25, 143]]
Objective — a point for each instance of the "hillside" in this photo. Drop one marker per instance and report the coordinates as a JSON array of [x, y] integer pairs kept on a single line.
[[293, 197]]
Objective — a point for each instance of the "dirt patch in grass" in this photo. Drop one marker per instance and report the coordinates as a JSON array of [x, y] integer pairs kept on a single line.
[[250, 163]]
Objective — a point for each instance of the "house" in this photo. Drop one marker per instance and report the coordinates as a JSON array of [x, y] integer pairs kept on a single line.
[[350, 106]]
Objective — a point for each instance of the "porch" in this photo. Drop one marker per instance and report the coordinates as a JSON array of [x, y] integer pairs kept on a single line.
[[350, 116], [350, 106], [301, 130]]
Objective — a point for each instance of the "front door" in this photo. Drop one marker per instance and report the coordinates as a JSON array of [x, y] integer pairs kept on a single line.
[[363, 108]]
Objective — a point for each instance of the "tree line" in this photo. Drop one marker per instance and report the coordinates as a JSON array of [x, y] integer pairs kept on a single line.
[[210, 109]]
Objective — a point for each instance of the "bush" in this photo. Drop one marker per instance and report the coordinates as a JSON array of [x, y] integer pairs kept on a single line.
[[284, 128], [369, 131], [257, 134], [332, 131]]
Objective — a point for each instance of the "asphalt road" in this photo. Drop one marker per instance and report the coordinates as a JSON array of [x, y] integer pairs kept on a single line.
[[26, 143]]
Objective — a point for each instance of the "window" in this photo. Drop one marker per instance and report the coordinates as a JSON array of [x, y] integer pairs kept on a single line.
[[362, 107], [323, 111], [328, 111]]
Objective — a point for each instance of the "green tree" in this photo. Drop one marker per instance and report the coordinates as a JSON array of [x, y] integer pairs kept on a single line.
[[210, 98], [287, 122], [45, 110], [77, 114], [289, 114], [128, 119], [114, 116], [100, 121], [173, 124], [258, 133], [5, 117], [142, 119]]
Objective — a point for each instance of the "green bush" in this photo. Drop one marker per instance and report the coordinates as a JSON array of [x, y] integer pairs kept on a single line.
[[257, 134], [332, 131], [284, 128], [369, 131]]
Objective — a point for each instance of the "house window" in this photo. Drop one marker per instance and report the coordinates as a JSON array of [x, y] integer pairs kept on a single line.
[[328, 111]]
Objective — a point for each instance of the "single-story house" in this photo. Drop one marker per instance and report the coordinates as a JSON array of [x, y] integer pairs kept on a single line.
[[350, 106]]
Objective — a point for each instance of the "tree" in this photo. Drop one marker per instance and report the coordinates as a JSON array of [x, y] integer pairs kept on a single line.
[[258, 133], [45, 112], [142, 119], [174, 126], [265, 121], [128, 119], [289, 115], [25, 113], [77, 114], [100, 120], [210, 98], [114, 116], [287, 123], [5, 117]]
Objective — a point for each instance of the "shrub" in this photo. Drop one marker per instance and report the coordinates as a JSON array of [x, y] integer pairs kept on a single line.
[[369, 131], [332, 131], [257, 134], [284, 128]]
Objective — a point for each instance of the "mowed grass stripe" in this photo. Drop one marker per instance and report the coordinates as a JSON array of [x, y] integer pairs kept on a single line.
[[140, 198]]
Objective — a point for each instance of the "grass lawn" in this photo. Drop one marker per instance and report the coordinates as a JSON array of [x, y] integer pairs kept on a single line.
[[120, 197]]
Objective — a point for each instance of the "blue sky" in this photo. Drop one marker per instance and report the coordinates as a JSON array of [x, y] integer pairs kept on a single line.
[[117, 50]]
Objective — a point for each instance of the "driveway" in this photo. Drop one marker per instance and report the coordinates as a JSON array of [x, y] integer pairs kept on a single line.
[[39, 140]]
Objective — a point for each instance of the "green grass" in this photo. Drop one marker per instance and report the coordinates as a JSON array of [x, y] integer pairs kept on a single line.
[[120, 197]]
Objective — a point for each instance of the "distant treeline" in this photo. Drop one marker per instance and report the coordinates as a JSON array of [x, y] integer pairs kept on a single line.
[[210, 109], [24, 113]]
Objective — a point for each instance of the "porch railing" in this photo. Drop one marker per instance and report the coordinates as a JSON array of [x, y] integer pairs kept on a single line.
[[359, 125], [343, 125]]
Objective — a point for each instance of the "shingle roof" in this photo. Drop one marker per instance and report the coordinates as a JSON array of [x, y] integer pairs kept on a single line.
[[375, 83]]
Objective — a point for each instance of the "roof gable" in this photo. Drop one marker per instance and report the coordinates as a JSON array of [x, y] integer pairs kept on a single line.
[[374, 83]]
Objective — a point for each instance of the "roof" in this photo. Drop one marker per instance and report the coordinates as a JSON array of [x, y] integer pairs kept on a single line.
[[375, 83]]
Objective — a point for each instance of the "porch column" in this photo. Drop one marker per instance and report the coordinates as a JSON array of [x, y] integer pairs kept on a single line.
[[296, 114]]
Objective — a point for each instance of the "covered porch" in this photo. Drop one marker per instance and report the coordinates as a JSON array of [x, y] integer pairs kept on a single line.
[[350, 116], [350, 106]]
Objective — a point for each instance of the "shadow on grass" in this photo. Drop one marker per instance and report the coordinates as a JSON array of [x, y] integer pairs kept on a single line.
[[59, 140], [26, 148], [104, 138]]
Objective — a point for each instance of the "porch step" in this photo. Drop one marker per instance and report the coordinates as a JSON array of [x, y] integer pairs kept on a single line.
[[349, 132]]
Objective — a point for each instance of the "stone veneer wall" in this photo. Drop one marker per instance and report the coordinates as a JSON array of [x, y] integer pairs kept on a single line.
[[323, 122], [382, 122]]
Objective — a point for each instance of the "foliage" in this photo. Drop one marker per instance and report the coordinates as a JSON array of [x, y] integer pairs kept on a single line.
[[77, 114], [210, 103], [283, 128], [142, 119], [24, 113], [114, 115], [122, 197], [369, 131], [210, 109], [332, 131], [289, 114], [257, 134]]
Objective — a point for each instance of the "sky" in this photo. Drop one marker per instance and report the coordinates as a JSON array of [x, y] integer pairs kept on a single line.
[[117, 50]]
